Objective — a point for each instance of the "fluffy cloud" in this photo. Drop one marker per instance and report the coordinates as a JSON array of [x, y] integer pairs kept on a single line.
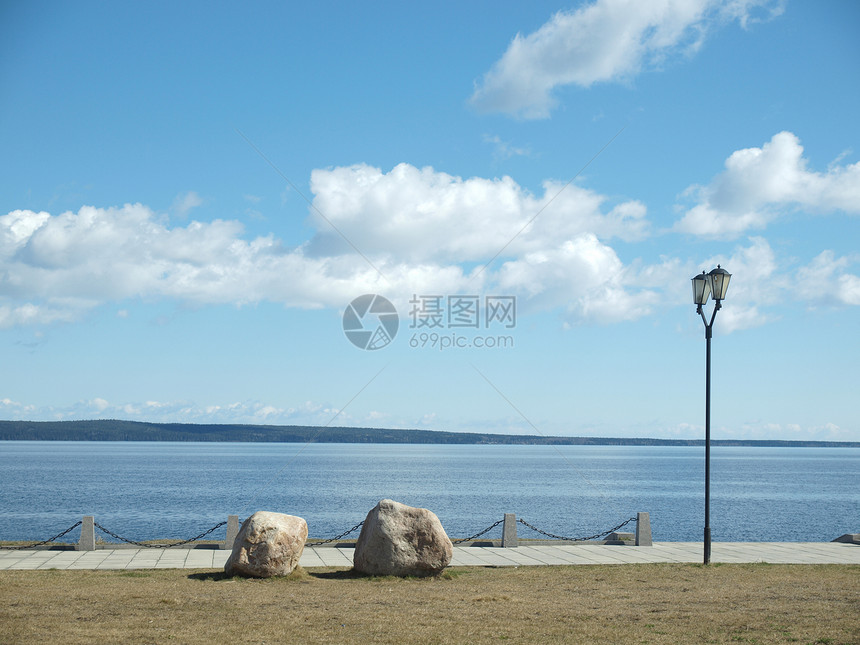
[[825, 281], [759, 184], [73, 261], [553, 242], [418, 231], [607, 40], [423, 215], [582, 272]]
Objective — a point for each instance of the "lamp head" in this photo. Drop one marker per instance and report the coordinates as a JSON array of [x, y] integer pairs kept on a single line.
[[719, 282], [701, 288]]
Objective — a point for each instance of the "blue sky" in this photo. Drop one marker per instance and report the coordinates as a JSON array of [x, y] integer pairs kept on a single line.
[[191, 196]]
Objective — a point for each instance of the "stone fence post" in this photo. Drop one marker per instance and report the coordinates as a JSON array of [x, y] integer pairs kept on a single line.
[[232, 531], [88, 535], [509, 531], [643, 529]]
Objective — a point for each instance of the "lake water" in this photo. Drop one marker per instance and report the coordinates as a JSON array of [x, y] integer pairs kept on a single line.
[[144, 490]]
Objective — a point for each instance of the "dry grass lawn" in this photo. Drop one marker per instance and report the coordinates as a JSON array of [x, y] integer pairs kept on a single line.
[[583, 604]]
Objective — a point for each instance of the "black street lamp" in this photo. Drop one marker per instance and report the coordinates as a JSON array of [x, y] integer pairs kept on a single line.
[[714, 284]]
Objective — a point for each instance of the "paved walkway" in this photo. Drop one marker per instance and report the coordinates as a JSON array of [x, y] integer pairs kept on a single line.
[[689, 552]]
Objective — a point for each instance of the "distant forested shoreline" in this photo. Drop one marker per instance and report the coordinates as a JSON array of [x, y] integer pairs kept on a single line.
[[118, 430]]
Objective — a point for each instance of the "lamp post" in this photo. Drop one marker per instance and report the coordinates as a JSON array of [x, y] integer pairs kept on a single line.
[[714, 284]]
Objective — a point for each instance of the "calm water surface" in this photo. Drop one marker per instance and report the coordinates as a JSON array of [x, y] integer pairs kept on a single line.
[[149, 490]]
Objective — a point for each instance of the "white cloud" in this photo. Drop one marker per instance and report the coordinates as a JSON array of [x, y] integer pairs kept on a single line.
[[426, 232], [67, 263], [32, 314], [759, 184], [504, 150], [421, 228], [17, 227], [424, 215], [789, 432], [185, 203], [10, 409], [825, 281], [607, 40], [582, 272]]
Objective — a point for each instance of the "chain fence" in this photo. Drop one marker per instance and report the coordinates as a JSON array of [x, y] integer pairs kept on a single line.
[[44, 542], [157, 546], [202, 535], [478, 534], [596, 536], [337, 537]]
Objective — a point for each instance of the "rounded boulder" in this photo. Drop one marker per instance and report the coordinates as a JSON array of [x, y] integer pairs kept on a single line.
[[268, 544], [401, 540]]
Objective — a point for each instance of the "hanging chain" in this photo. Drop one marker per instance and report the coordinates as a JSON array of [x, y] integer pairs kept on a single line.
[[336, 537], [43, 542], [158, 546], [581, 539], [477, 535]]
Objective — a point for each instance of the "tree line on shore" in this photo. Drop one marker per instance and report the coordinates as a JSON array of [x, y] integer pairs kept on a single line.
[[120, 430]]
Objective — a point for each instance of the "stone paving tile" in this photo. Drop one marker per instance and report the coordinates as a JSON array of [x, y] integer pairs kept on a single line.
[[85, 563], [596, 554], [544, 555], [142, 564], [480, 556], [148, 554], [331, 556], [51, 563], [520, 556], [679, 551], [327, 557], [310, 559], [461, 560], [567, 556], [95, 556], [499, 557], [201, 564], [468, 560], [111, 564]]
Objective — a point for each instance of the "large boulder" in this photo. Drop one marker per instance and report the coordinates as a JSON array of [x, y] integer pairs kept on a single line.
[[400, 540], [268, 544]]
